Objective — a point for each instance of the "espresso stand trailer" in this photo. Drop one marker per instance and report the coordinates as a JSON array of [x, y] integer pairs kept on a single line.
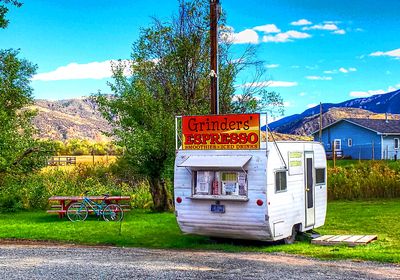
[[268, 194]]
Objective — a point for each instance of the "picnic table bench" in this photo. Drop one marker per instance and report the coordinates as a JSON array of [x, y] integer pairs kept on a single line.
[[63, 202]]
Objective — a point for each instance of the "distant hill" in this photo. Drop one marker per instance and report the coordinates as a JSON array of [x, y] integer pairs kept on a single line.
[[374, 107], [77, 118]]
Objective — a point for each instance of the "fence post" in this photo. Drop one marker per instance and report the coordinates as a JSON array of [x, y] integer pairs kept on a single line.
[[334, 155], [373, 151]]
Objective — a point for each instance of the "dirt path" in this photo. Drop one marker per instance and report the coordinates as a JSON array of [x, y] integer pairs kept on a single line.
[[49, 261]]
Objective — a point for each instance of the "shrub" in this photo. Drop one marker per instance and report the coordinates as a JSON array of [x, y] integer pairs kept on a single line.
[[364, 180], [33, 190]]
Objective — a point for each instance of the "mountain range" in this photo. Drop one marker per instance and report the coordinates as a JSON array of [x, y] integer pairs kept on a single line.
[[376, 106], [76, 118], [79, 118]]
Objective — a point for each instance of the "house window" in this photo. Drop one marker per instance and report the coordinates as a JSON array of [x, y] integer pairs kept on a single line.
[[337, 144], [223, 183], [280, 181], [349, 142], [319, 176], [396, 143]]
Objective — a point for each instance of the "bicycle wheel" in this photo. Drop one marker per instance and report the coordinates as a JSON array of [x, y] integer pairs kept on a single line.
[[77, 211], [113, 212]]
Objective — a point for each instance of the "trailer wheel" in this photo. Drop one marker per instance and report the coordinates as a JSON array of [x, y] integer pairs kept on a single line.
[[290, 239]]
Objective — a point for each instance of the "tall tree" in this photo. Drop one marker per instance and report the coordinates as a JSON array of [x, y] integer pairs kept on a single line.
[[168, 76], [17, 145], [16, 142]]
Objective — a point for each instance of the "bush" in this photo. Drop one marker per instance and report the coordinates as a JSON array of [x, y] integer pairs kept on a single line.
[[33, 190], [364, 180]]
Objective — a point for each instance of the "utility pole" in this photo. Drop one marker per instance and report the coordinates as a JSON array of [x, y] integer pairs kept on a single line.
[[214, 16], [320, 122]]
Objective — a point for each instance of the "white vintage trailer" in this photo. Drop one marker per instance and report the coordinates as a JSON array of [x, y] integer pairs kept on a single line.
[[266, 194]]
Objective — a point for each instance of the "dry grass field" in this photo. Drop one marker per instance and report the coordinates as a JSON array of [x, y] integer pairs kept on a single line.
[[95, 159]]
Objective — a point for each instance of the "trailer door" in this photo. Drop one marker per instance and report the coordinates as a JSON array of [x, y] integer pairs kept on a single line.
[[309, 188]]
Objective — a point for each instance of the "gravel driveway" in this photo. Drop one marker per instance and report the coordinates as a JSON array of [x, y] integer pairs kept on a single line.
[[76, 262]]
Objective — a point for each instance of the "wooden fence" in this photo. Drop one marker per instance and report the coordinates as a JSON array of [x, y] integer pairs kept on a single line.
[[60, 161]]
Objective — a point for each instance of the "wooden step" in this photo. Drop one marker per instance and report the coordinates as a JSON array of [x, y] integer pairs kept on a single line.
[[350, 240]]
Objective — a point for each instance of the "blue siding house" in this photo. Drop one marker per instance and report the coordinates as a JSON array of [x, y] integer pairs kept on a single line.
[[362, 138]]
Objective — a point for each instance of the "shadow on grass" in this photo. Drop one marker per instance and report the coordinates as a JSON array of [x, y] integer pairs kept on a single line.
[[55, 218], [242, 242], [300, 238]]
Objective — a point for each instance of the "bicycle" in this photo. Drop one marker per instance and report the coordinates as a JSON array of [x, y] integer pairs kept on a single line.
[[78, 211]]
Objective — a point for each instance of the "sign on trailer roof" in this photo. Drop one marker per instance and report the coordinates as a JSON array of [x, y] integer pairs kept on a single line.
[[221, 132]]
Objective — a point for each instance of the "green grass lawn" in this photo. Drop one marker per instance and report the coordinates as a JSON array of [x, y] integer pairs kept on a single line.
[[155, 230]]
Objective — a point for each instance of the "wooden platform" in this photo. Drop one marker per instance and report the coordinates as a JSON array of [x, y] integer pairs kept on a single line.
[[350, 240]]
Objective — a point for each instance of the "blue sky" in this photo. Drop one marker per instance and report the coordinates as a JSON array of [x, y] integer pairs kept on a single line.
[[315, 51]]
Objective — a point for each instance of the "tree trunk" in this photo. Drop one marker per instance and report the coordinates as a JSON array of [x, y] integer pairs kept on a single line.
[[161, 198]]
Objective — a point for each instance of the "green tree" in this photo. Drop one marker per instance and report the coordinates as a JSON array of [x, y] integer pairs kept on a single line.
[[19, 152], [168, 75]]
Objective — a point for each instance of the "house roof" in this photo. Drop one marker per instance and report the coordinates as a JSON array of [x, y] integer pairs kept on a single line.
[[380, 126]]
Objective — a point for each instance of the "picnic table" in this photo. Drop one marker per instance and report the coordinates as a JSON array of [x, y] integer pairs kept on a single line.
[[63, 202]]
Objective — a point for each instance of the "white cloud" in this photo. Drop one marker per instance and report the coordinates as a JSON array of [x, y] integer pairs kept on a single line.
[[326, 26], [287, 104], [270, 84], [76, 71], [320, 78], [301, 22], [393, 53], [373, 92], [366, 93], [341, 69], [272, 65], [267, 28], [295, 66], [303, 93], [282, 84], [247, 36], [312, 105], [286, 36], [311, 67], [340, 32]]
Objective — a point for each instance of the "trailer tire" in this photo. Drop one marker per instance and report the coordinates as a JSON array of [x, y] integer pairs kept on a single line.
[[290, 239]]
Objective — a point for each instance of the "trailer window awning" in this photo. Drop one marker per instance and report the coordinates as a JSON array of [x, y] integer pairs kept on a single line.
[[213, 162]]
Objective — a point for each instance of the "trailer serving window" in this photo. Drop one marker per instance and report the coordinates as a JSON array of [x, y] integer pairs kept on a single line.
[[221, 183], [218, 177]]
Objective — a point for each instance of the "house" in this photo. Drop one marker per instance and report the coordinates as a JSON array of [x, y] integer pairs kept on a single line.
[[362, 138]]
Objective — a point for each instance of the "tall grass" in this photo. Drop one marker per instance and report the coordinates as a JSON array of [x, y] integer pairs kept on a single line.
[[364, 180], [33, 190], [351, 180]]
